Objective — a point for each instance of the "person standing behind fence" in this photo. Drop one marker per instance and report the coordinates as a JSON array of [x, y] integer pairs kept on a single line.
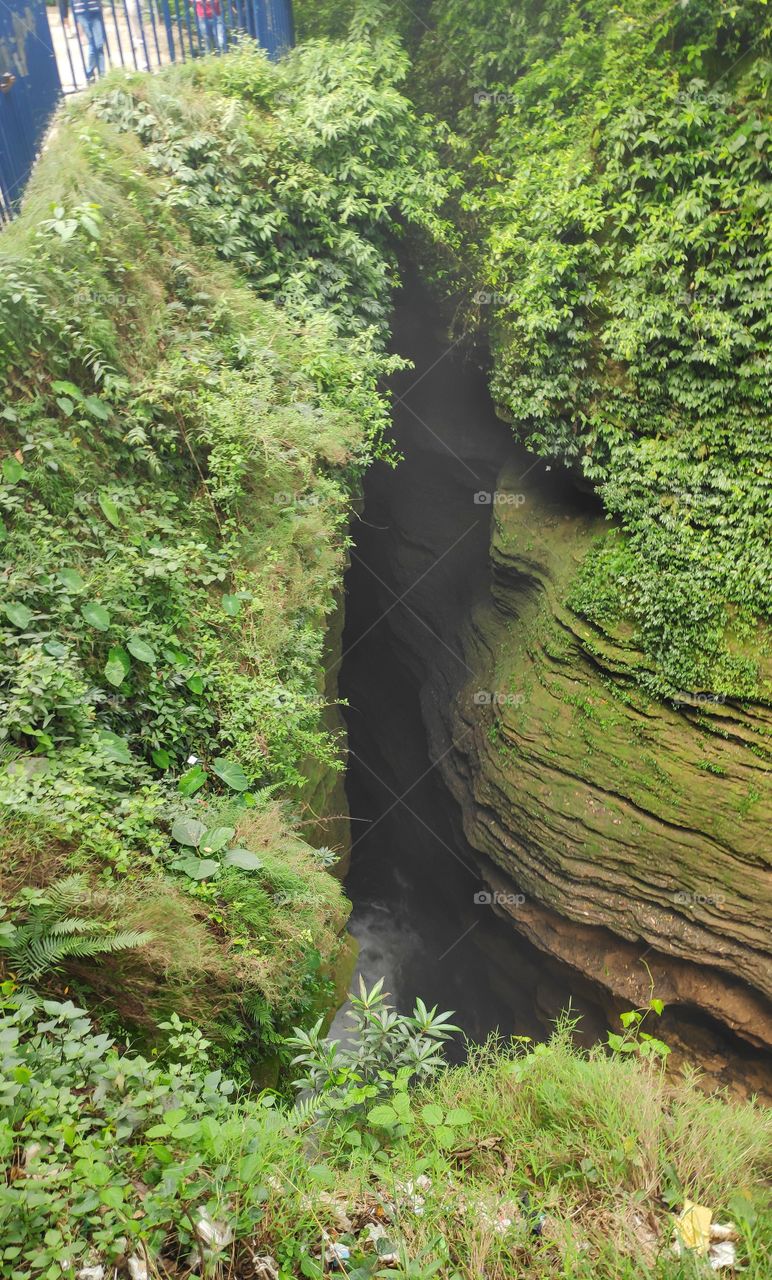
[[210, 23], [88, 18]]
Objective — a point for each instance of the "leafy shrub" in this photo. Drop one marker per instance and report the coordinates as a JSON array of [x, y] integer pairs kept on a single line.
[[193, 326], [384, 1050], [617, 182], [542, 1156]]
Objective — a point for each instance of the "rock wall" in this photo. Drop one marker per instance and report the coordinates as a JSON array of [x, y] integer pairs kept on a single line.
[[635, 830]]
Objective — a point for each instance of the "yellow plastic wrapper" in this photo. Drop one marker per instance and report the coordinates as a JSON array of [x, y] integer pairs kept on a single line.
[[693, 1226]]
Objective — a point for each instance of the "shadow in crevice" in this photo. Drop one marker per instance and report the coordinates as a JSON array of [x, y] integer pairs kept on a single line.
[[419, 564]]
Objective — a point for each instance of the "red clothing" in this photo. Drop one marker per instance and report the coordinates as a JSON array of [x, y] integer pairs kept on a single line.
[[208, 8]]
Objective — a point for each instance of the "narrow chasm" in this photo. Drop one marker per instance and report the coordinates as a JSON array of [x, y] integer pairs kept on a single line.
[[422, 914]]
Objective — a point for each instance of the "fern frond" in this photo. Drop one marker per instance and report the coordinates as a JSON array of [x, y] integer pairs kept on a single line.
[[81, 948], [73, 924]]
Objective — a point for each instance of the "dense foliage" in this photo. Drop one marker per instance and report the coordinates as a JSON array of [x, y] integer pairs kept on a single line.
[[617, 213], [178, 457], [539, 1161]]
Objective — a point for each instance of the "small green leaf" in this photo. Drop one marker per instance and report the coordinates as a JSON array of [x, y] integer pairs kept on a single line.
[[18, 614], [109, 509], [188, 831], [657, 1005], [231, 773], [243, 858], [432, 1114], [65, 404], [161, 758], [216, 839], [444, 1135], [231, 605], [96, 616], [140, 650], [71, 579], [195, 684], [117, 667], [190, 782]]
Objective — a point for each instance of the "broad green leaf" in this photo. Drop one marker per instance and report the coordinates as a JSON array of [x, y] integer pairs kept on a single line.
[[401, 1104], [140, 650], [243, 858], [657, 1005], [112, 1197], [459, 1116], [383, 1116], [96, 616], [231, 773], [18, 614], [109, 509], [97, 408], [445, 1136], [188, 831], [216, 839], [13, 470], [231, 605], [432, 1114], [200, 868], [161, 758], [63, 388], [71, 579], [65, 404], [114, 748], [117, 667], [195, 684], [190, 782], [55, 648]]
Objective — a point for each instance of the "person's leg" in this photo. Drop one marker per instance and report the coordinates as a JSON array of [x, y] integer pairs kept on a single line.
[[88, 52], [219, 30], [203, 33], [100, 40]]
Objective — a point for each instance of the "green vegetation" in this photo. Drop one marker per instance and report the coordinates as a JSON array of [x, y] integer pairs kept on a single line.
[[194, 325], [193, 321], [535, 1161], [616, 219]]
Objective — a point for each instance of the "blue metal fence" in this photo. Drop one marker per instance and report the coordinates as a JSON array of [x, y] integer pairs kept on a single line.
[[47, 50], [29, 91]]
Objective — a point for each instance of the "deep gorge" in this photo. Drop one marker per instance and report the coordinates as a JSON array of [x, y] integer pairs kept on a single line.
[[420, 569]]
